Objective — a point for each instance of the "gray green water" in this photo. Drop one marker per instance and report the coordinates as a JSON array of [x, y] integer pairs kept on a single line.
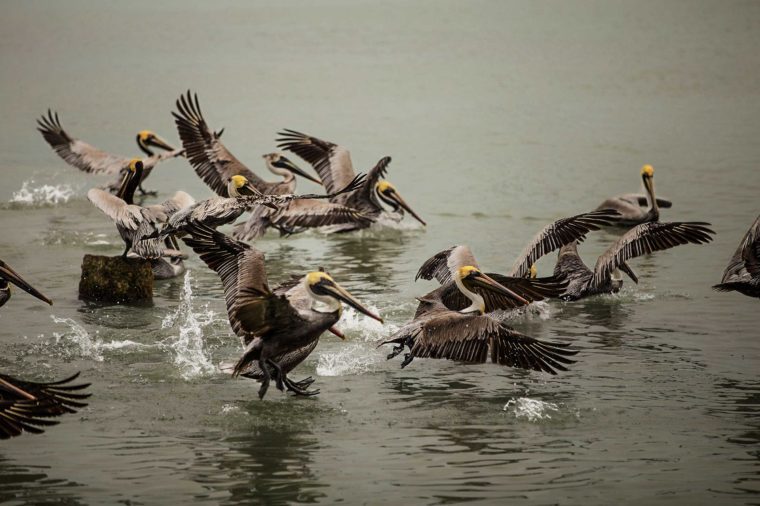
[[500, 117]]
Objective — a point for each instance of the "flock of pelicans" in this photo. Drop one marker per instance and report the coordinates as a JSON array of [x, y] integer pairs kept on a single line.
[[463, 320]]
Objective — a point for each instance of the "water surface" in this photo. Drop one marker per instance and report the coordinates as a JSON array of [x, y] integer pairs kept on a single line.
[[500, 117]]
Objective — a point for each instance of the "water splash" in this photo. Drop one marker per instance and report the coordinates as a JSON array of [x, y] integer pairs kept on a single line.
[[187, 347], [88, 346], [368, 329], [532, 409], [353, 358], [29, 195]]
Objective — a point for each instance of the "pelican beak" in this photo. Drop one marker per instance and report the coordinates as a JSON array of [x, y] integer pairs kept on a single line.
[[337, 333], [489, 283], [12, 276], [393, 195], [342, 295], [155, 140], [648, 183], [286, 164]]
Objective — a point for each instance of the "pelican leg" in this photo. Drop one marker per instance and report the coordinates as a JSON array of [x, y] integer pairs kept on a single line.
[[407, 360], [127, 247], [278, 375], [265, 378], [409, 341], [304, 383], [297, 389]]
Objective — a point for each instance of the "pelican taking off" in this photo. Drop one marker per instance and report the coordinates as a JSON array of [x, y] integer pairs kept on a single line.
[[630, 205], [333, 164], [272, 324], [8, 276], [26, 406], [138, 226], [94, 161], [473, 334], [640, 240], [214, 163], [743, 271]]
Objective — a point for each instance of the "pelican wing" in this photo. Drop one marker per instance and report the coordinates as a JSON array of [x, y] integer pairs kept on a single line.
[[364, 197], [167, 208], [26, 406], [76, 152], [209, 157], [472, 338], [137, 224], [558, 234], [436, 267], [648, 238], [751, 249], [332, 162], [252, 308], [641, 200], [315, 213]]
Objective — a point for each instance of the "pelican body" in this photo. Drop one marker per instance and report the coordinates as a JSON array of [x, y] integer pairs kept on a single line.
[[92, 160], [333, 164], [7, 277], [473, 334], [742, 274], [272, 324], [215, 164], [629, 206], [640, 240], [26, 406], [137, 226]]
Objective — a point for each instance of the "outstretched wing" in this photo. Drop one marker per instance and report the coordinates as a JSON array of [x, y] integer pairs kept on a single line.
[[436, 267], [76, 152], [648, 238], [558, 234], [473, 338], [209, 157], [332, 162], [363, 198], [135, 223], [26, 406], [252, 308]]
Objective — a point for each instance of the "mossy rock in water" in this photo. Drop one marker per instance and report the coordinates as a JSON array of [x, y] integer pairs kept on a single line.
[[113, 279]]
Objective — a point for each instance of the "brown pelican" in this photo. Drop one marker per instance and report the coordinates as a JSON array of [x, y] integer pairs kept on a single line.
[[630, 205], [8, 276], [473, 333], [492, 291], [333, 164], [26, 406], [217, 211], [563, 231], [94, 161], [138, 226], [272, 324], [215, 164], [640, 240], [743, 271]]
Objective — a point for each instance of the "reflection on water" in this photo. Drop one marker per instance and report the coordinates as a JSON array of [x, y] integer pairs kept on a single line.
[[32, 485]]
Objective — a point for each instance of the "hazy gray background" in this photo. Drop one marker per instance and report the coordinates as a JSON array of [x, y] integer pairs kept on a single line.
[[500, 117]]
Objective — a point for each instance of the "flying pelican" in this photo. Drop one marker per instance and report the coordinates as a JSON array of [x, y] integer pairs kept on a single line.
[[271, 323], [553, 236], [333, 164], [457, 292], [137, 225], [8, 276], [214, 163], [26, 406], [217, 211], [743, 271], [630, 205], [640, 240], [94, 161], [473, 333]]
